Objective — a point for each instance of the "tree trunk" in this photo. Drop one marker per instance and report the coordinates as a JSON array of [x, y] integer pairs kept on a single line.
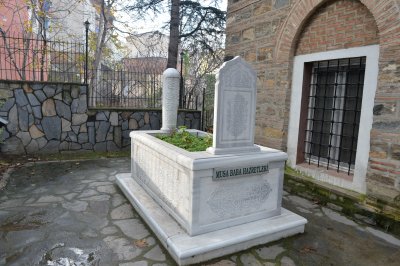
[[96, 86], [101, 37], [173, 35]]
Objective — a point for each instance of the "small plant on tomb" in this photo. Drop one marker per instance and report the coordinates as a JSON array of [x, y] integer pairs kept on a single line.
[[185, 140]]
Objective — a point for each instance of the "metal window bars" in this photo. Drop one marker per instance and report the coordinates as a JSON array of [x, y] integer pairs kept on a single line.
[[334, 112]]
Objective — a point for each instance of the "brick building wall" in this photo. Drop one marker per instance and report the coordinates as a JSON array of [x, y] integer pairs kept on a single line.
[[269, 33], [338, 25]]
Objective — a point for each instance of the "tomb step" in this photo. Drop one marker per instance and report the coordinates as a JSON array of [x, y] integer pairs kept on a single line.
[[186, 249]]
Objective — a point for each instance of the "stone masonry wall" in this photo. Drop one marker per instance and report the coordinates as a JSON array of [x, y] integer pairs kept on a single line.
[[55, 118], [268, 33], [252, 28]]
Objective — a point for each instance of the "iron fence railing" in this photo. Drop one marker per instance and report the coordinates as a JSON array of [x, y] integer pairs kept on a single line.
[[110, 88], [38, 59], [208, 110], [140, 90], [135, 83]]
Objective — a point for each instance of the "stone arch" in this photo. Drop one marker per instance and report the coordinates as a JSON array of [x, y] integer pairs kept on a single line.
[[386, 14], [337, 25]]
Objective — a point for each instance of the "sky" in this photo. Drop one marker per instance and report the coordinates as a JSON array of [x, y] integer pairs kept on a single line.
[[156, 23], [149, 25]]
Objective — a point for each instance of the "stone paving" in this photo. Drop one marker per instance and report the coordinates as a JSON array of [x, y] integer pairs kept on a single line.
[[72, 213]]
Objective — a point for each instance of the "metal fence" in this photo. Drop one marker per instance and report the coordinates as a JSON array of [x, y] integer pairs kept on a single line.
[[135, 83], [37, 59], [134, 89], [189, 100], [120, 88], [208, 110]]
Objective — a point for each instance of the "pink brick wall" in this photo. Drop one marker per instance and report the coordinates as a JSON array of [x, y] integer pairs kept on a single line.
[[338, 25]]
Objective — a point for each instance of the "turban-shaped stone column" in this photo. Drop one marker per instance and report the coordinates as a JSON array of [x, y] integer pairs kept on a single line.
[[170, 98]]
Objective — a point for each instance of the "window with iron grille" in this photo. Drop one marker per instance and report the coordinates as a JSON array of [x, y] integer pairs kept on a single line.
[[334, 108]]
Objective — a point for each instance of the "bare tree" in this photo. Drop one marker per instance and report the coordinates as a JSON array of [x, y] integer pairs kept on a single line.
[[198, 68], [25, 34], [26, 19], [147, 44], [104, 25]]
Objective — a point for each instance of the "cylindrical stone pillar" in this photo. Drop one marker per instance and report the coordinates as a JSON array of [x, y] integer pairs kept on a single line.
[[170, 98]]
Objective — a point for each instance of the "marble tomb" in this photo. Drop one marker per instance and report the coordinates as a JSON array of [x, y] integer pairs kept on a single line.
[[203, 205]]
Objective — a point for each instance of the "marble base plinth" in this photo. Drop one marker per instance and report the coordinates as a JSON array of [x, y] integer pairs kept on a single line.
[[187, 249]]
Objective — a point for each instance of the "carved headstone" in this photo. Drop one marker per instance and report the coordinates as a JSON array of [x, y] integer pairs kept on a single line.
[[170, 96], [234, 109]]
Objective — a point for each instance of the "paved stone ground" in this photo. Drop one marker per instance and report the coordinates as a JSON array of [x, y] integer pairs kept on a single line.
[[72, 213]]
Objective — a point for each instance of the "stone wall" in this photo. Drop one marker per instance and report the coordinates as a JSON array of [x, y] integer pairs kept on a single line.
[[269, 33], [46, 118]]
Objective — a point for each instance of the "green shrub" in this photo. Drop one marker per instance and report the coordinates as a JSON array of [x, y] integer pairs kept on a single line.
[[183, 139]]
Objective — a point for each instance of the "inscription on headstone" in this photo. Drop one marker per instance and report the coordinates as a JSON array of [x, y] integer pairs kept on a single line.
[[170, 95], [225, 173], [236, 114], [234, 108]]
